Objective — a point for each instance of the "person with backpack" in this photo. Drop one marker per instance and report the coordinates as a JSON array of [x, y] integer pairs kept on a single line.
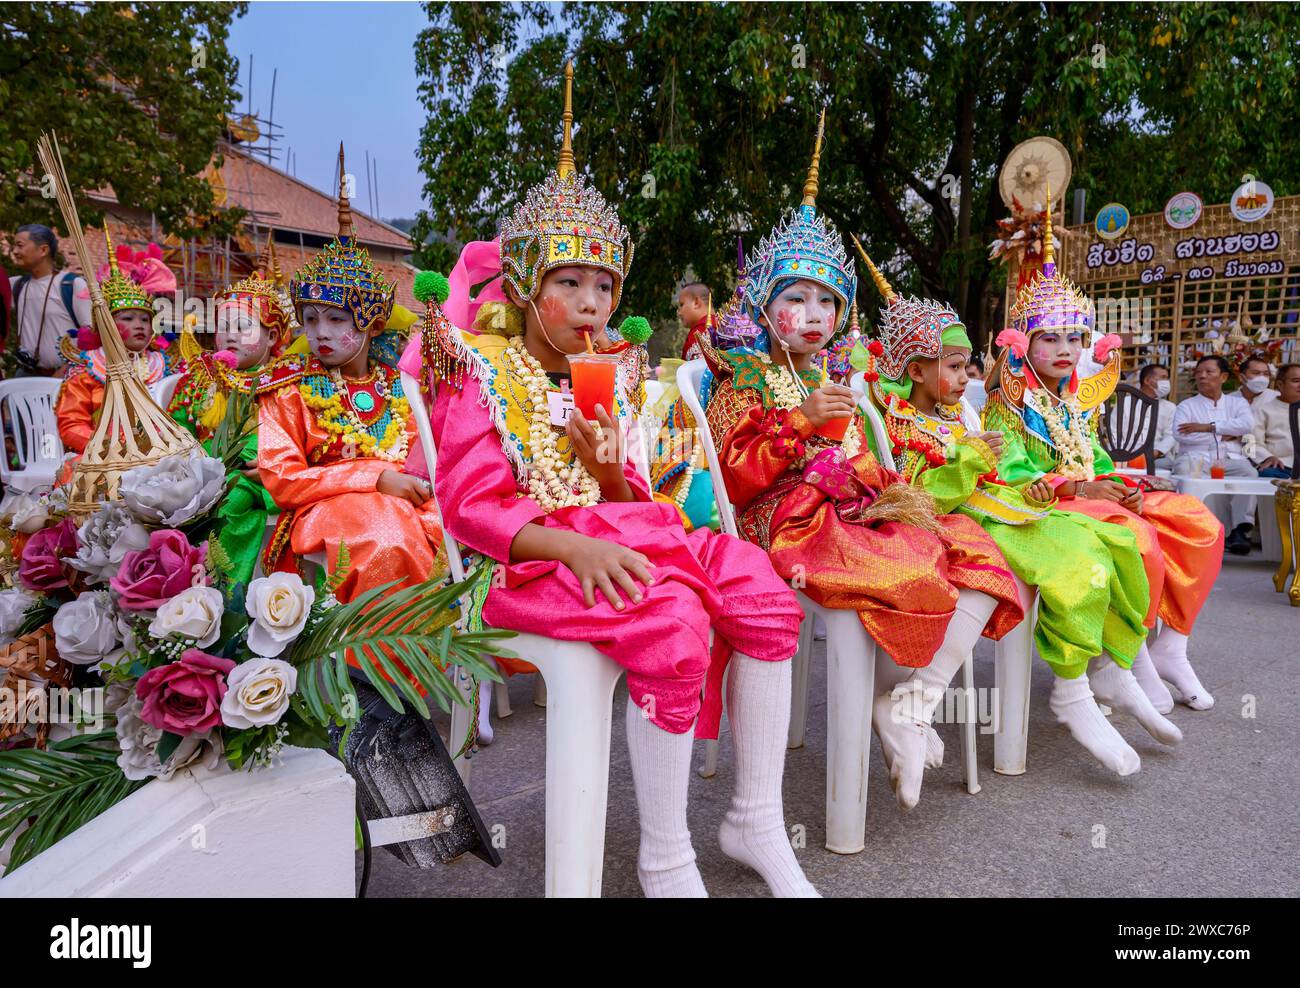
[[48, 305]]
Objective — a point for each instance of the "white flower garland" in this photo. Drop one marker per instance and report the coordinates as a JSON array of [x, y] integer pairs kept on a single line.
[[552, 482], [789, 392], [1073, 441]]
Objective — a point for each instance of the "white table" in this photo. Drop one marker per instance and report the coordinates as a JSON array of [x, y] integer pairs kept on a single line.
[[1204, 488]]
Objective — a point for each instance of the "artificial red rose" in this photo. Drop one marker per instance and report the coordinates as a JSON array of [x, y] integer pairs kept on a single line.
[[43, 566], [184, 696], [150, 577]]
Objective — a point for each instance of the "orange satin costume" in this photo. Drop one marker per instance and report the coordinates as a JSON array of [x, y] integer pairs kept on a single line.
[[903, 580], [333, 499]]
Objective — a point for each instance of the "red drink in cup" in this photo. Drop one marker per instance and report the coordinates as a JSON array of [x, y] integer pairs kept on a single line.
[[835, 428], [593, 382], [1217, 470]]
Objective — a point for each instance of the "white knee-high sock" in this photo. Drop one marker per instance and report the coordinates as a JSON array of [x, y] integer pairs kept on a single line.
[[1169, 654], [661, 765], [753, 830], [903, 717], [1117, 687], [1144, 671], [1073, 703]]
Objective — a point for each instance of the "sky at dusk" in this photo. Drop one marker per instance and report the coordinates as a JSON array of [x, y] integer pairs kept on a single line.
[[346, 71]]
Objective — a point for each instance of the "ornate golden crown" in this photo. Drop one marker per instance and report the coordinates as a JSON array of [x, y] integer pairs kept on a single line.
[[120, 292], [563, 221]]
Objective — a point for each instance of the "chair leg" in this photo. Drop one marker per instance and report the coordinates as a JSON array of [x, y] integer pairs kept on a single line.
[[539, 692], [578, 726], [460, 720], [1282, 510], [502, 694], [969, 757], [850, 693], [799, 686], [709, 767], [1293, 527], [1014, 653]]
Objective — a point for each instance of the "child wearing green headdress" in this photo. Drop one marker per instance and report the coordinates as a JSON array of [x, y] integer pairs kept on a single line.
[[1092, 588]]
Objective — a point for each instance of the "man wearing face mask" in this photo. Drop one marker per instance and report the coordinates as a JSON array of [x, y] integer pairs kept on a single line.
[[1153, 380], [1256, 376], [1273, 449]]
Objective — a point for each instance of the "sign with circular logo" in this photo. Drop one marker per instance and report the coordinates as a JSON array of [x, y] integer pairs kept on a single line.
[[1183, 210], [1112, 220], [1252, 201]]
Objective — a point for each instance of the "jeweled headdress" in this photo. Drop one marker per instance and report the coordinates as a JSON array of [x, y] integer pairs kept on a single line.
[[803, 245], [563, 221], [120, 292], [342, 275], [910, 328], [1050, 300], [263, 299]]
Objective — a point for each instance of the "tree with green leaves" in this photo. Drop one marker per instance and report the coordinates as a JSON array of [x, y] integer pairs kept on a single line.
[[138, 94], [697, 120]]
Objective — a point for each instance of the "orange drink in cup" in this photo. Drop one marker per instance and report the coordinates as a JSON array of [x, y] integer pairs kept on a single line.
[[834, 429], [593, 382], [1217, 470]]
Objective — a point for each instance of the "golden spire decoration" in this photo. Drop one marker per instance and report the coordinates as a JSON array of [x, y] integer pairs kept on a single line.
[[810, 186], [113, 271], [564, 168], [1049, 253], [345, 208], [882, 285]]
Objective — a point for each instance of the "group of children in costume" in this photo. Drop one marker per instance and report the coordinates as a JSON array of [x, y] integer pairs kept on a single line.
[[973, 522]]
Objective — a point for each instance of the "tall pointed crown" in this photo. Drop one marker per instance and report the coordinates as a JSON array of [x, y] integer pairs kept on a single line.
[[803, 245], [563, 221], [343, 275], [1051, 301], [120, 292], [910, 328], [263, 296]]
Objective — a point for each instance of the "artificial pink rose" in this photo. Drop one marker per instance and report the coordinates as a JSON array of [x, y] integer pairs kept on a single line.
[[148, 578], [43, 566], [184, 696]]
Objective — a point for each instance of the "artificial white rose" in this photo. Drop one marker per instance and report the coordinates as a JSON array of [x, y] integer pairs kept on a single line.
[[279, 605], [175, 489], [139, 744], [104, 538], [25, 513], [258, 692], [194, 613], [13, 608], [85, 630]]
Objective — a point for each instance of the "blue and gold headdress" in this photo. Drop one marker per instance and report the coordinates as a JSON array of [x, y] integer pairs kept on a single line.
[[803, 245], [342, 275]]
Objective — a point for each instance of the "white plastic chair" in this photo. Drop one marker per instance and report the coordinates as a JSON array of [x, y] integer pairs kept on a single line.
[[27, 404], [579, 719], [850, 673], [162, 390]]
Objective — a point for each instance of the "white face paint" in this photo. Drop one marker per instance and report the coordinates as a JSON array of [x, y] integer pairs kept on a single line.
[[243, 335], [332, 334], [801, 319]]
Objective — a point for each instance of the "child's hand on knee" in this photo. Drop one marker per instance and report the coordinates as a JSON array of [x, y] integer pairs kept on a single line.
[[599, 563], [405, 486]]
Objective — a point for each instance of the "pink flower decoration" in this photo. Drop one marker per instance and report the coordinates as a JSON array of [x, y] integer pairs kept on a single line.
[[148, 578], [42, 566], [227, 358], [1016, 340], [185, 696], [1101, 351]]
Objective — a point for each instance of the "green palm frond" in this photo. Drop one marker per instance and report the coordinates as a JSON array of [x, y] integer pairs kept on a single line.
[[414, 626], [232, 435], [59, 790]]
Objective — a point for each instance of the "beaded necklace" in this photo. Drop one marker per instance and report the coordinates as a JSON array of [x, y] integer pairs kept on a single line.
[[361, 423], [789, 392]]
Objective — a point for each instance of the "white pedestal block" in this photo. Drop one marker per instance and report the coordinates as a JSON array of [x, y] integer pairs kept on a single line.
[[282, 832]]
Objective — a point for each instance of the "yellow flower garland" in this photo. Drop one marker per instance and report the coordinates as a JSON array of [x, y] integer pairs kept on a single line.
[[343, 422]]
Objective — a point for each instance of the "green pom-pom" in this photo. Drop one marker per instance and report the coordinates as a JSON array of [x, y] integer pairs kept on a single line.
[[431, 285], [635, 329]]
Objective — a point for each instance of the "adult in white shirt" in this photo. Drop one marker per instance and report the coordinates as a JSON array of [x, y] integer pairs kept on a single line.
[[1209, 427], [1274, 453], [41, 301], [975, 395], [1153, 381], [1256, 378]]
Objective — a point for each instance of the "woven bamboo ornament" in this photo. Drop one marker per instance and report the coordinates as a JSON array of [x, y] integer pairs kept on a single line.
[[34, 660], [133, 431]]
